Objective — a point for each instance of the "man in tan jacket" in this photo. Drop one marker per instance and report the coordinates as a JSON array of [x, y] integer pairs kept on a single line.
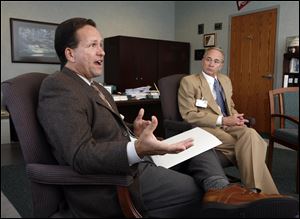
[[205, 100]]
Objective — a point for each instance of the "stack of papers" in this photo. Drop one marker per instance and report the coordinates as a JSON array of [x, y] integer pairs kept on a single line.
[[154, 94], [138, 93], [203, 141], [120, 97]]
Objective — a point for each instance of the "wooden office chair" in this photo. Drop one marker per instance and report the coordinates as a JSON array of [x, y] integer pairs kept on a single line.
[[279, 132], [47, 178]]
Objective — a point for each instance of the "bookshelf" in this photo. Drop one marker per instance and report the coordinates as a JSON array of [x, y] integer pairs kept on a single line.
[[290, 77]]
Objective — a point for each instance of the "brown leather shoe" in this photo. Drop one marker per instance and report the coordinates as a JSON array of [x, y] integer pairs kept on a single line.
[[236, 195], [236, 201]]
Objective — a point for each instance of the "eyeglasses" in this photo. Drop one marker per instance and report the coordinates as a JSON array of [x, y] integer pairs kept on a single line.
[[216, 61]]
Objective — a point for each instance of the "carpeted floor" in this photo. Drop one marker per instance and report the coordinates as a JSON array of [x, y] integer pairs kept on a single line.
[[16, 188], [283, 171], [15, 185]]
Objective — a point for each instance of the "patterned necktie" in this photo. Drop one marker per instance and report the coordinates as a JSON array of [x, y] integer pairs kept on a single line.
[[219, 97], [101, 95], [97, 87]]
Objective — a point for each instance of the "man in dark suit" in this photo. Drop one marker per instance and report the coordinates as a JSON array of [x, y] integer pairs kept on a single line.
[[86, 131]]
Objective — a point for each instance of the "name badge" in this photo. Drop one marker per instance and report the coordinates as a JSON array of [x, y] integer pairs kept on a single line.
[[201, 103]]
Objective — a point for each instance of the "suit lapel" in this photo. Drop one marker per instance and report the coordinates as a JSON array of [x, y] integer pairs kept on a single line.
[[93, 94], [114, 108], [206, 93]]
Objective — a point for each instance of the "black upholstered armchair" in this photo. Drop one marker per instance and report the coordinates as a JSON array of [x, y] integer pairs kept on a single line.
[[173, 122], [20, 97]]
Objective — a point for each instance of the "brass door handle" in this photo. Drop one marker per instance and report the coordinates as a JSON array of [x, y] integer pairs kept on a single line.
[[268, 76]]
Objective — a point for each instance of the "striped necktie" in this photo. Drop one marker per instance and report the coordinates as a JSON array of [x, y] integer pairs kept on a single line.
[[100, 93], [219, 97]]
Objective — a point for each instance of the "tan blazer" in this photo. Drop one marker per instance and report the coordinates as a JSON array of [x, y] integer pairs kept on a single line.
[[195, 87], [242, 145]]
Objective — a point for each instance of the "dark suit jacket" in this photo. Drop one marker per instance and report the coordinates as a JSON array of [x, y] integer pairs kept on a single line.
[[87, 135]]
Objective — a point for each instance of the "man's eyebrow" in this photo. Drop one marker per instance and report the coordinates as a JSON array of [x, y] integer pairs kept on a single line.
[[89, 41]]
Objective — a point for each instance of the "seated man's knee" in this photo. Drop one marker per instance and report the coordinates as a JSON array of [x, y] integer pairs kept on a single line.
[[251, 131]]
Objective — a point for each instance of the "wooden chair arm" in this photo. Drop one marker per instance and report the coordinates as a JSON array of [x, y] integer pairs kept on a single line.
[[291, 118]]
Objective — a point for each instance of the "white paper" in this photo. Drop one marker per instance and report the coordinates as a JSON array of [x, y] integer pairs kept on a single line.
[[285, 80], [203, 141]]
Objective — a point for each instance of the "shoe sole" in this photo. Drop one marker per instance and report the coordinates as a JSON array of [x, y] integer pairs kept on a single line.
[[264, 208]]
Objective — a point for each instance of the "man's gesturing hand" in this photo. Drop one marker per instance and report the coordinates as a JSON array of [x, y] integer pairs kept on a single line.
[[147, 144]]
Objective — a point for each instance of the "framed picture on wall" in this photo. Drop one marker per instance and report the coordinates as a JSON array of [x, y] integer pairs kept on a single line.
[[32, 41], [199, 54], [209, 40]]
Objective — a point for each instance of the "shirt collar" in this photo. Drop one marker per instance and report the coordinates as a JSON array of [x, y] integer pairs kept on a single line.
[[210, 79], [84, 79], [87, 81]]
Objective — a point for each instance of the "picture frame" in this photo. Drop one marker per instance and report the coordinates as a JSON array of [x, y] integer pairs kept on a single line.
[[218, 26], [32, 41], [200, 28], [209, 40], [294, 65], [199, 54]]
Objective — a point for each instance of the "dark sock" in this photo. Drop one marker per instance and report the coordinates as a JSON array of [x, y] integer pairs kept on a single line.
[[215, 182]]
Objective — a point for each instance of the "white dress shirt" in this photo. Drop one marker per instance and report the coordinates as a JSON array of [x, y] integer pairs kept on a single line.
[[211, 80]]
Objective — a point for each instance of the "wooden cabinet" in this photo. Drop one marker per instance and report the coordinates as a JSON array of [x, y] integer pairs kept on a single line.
[[133, 62], [173, 58], [129, 109], [290, 76]]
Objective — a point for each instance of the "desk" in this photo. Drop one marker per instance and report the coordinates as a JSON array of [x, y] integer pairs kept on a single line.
[[130, 108]]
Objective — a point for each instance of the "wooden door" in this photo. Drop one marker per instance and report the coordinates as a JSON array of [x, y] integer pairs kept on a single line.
[[252, 62]]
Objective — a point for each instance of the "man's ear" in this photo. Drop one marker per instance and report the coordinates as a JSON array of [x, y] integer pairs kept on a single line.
[[69, 55], [221, 66]]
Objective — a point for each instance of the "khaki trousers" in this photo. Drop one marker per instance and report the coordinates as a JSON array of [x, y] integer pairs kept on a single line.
[[247, 150]]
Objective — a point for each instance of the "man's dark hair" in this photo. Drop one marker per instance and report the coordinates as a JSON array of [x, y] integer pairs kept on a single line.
[[65, 36]]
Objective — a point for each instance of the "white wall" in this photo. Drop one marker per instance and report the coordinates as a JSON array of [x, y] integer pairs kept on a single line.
[[189, 14], [167, 20], [159, 19], [141, 19]]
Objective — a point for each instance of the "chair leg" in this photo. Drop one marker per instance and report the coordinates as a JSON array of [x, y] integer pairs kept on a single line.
[[126, 203], [297, 185], [269, 156]]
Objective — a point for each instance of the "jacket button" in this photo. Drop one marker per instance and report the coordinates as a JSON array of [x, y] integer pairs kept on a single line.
[[125, 133]]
